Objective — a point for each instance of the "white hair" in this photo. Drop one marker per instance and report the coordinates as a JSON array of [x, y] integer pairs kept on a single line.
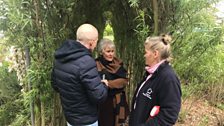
[[104, 43]]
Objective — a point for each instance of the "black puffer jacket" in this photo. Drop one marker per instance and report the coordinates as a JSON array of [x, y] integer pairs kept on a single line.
[[76, 78]]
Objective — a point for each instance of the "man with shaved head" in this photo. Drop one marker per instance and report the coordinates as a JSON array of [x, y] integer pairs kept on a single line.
[[75, 78], [88, 36]]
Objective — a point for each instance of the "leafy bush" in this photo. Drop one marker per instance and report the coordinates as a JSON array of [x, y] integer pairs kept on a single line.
[[9, 93], [108, 31]]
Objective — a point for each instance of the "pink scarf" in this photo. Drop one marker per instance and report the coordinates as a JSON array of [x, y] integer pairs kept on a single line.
[[152, 69]]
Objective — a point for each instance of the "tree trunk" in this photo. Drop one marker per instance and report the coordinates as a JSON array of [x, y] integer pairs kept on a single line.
[[58, 118], [42, 113], [27, 53], [37, 112], [155, 16]]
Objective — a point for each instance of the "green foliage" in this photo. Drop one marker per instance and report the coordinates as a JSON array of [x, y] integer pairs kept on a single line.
[[136, 49], [198, 51], [197, 48], [21, 120], [13, 113], [142, 29], [9, 84], [134, 3], [9, 95], [191, 89], [25, 29], [108, 31], [196, 36], [18, 21]]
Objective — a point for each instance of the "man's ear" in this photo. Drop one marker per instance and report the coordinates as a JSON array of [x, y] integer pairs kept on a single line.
[[91, 43]]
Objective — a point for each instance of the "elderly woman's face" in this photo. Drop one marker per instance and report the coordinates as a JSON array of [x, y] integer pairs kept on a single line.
[[108, 53]]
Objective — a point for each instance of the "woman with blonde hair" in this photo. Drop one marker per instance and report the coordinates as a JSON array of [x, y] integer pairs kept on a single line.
[[157, 99]]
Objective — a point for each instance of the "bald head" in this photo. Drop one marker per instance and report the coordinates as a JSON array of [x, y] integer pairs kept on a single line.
[[87, 35], [86, 32]]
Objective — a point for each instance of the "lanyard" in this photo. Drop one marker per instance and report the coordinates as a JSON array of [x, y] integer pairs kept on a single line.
[[149, 76]]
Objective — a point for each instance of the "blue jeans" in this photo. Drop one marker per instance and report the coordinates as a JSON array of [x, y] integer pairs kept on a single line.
[[93, 124]]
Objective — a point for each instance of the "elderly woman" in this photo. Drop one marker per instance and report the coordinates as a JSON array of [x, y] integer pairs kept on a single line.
[[157, 99], [114, 111]]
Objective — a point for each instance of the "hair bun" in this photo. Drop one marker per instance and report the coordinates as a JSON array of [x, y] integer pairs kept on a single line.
[[166, 39]]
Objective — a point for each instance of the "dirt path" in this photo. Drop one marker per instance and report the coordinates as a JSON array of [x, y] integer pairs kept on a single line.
[[197, 112]]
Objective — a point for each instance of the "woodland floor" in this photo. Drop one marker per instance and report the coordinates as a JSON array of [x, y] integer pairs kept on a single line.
[[198, 112]]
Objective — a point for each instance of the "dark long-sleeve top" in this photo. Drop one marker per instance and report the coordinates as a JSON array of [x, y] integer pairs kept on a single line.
[[162, 89]]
